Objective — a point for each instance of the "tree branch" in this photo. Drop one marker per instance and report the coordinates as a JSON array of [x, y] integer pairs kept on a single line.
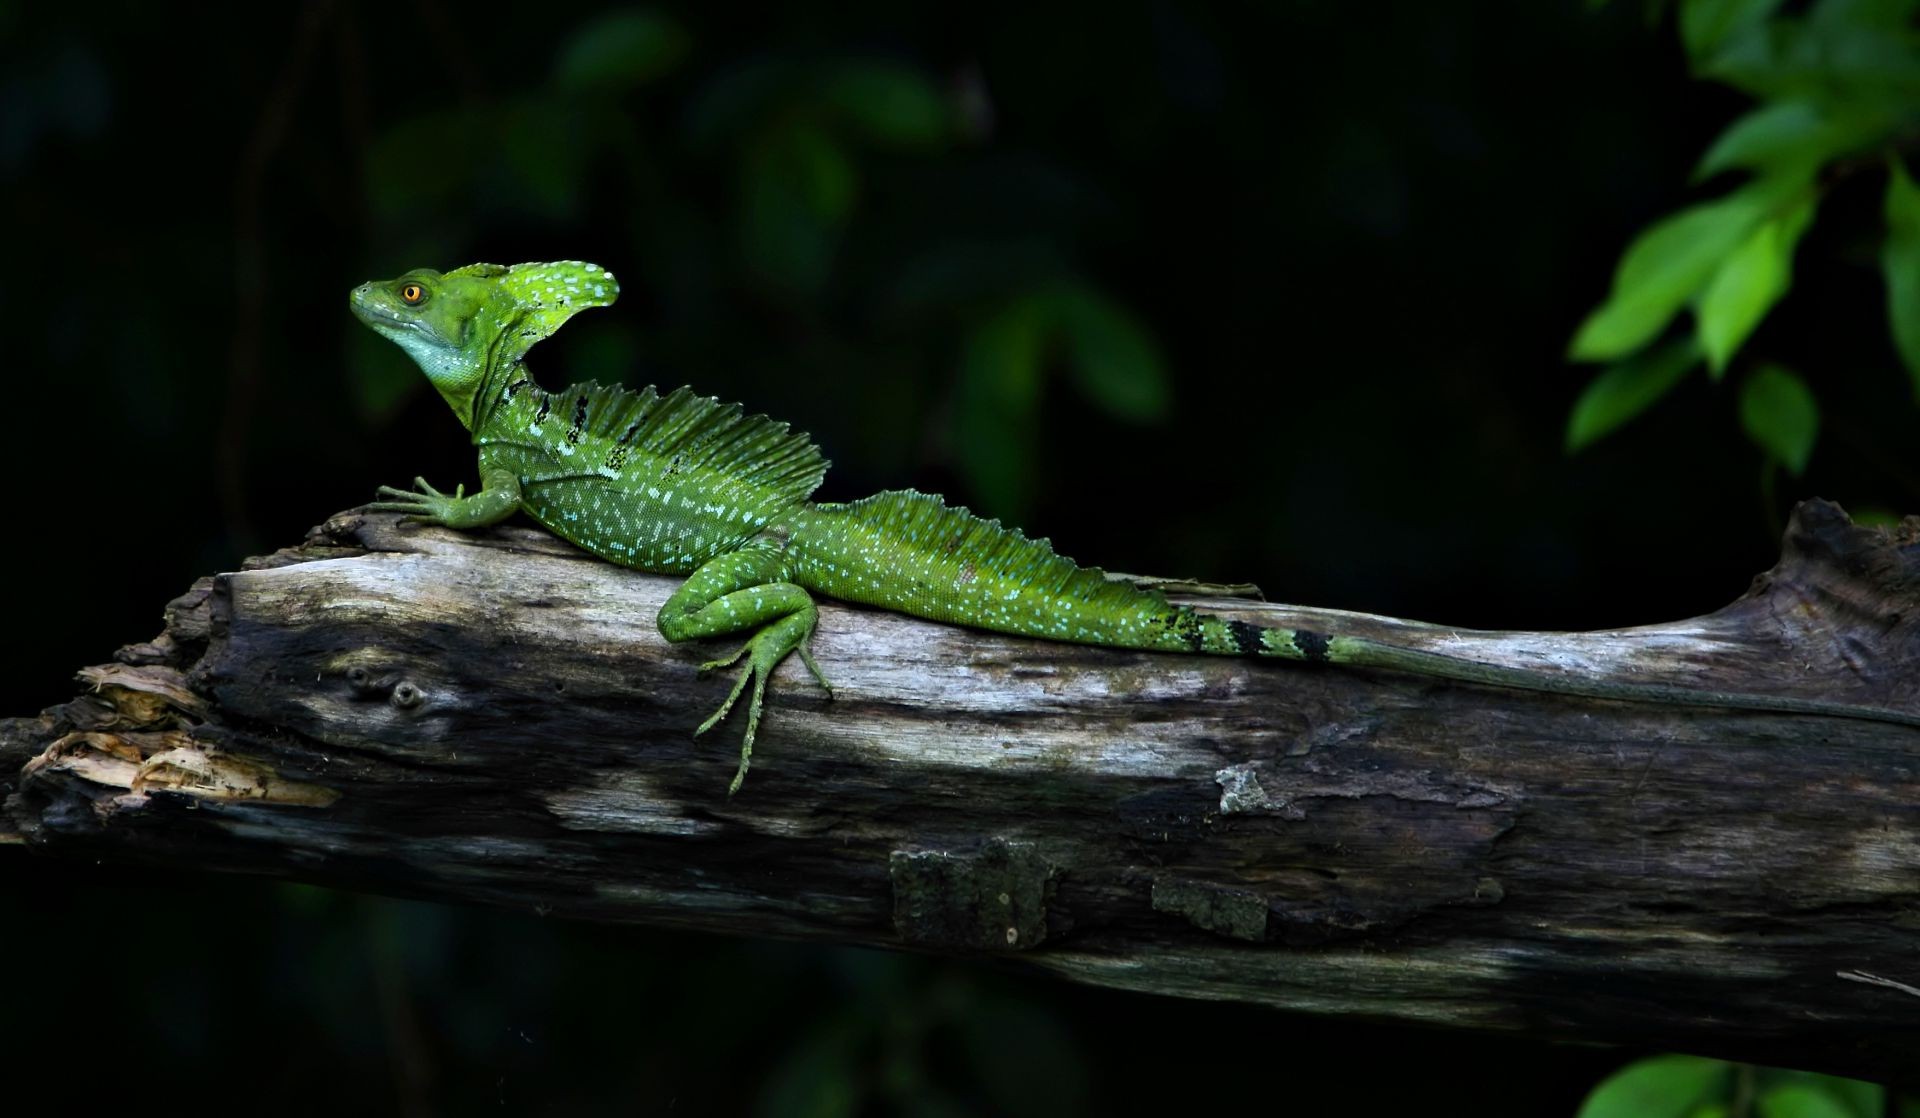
[[492, 717]]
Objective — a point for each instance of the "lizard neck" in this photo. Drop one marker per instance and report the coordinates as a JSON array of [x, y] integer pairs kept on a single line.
[[483, 409], [503, 376]]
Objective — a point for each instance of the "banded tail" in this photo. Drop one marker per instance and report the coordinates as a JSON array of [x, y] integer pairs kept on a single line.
[[910, 552]]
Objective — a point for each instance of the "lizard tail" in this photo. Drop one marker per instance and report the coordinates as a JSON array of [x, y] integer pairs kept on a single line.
[[1361, 652], [912, 552]]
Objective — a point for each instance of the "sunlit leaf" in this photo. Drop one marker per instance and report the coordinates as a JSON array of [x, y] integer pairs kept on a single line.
[[620, 50], [1705, 25], [1862, 1099], [889, 103], [1749, 282], [1111, 358], [1859, 1098], [1628, 388], [1799, 1100], [1661, 1087], [1900, 263], [1791, 137], [1780, 415], [997, 407], [1663, 268]]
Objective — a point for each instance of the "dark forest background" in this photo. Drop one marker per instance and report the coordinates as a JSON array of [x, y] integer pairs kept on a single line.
[[1278, 293]]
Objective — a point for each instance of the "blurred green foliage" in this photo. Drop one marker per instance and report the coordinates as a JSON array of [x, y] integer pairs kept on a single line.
[[1838, 86], [1697, 1087], [1246, 291]]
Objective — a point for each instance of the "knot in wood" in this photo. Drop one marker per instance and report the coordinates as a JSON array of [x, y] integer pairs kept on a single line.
[[406, 695]]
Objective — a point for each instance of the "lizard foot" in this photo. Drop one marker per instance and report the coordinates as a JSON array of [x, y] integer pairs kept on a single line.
[[763, 653], [422, 504]]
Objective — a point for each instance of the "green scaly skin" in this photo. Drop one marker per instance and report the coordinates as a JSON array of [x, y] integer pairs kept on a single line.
[[682, 484]]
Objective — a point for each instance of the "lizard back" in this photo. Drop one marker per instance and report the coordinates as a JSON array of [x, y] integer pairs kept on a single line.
[[912, 552], [658, 483]]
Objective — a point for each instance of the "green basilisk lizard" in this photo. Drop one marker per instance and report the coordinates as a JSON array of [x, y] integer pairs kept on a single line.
[[683, 484]]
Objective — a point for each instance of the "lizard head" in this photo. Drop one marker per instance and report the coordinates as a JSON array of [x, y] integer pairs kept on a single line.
[[461, 326]]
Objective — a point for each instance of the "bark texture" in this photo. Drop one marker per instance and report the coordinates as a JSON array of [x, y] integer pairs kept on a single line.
[[492, 717]]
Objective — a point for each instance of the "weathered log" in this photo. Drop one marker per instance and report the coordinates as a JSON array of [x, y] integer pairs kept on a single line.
[[492, 717]]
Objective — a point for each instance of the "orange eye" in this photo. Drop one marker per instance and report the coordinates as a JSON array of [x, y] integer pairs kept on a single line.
[[412, 294]]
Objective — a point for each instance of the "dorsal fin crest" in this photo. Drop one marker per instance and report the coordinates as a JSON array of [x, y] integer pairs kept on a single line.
[[703, 433], [959, 537]]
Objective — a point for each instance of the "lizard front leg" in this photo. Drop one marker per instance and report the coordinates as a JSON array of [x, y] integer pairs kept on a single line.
[[736, 591], [499, 498]]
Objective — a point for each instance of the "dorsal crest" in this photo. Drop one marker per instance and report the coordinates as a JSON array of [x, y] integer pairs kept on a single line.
[[690, 432]]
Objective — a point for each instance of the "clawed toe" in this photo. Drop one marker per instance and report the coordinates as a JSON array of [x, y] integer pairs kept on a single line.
[[727, 660], [739, 685], [806, 657]]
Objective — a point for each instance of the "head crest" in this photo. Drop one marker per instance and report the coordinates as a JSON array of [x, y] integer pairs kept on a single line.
[[544, 296]]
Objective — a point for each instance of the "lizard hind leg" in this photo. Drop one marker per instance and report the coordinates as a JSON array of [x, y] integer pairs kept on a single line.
[[742, 590], [762, 654]]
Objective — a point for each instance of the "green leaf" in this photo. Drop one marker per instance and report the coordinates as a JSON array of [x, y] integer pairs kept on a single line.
[[1792, 137], [621, 50], [1707, 24], [1112, 359], [997, 413], [1873, 516], [1749, 282], [1663, 268], [1857, 1097], [1861, 51], [1900, 262], [1661, 1087], [889, 103], [1767, 134], [1801, 1100], [1628, 388], [1780, 415]]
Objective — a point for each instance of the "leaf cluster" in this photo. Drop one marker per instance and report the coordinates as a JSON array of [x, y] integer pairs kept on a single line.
[[1838, 92], [1697, 1087]]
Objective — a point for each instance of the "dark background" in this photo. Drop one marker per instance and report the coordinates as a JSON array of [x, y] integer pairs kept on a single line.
[[1358, 238]]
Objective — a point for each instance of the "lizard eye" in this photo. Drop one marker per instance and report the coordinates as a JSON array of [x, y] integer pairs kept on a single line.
[[413, 295]]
